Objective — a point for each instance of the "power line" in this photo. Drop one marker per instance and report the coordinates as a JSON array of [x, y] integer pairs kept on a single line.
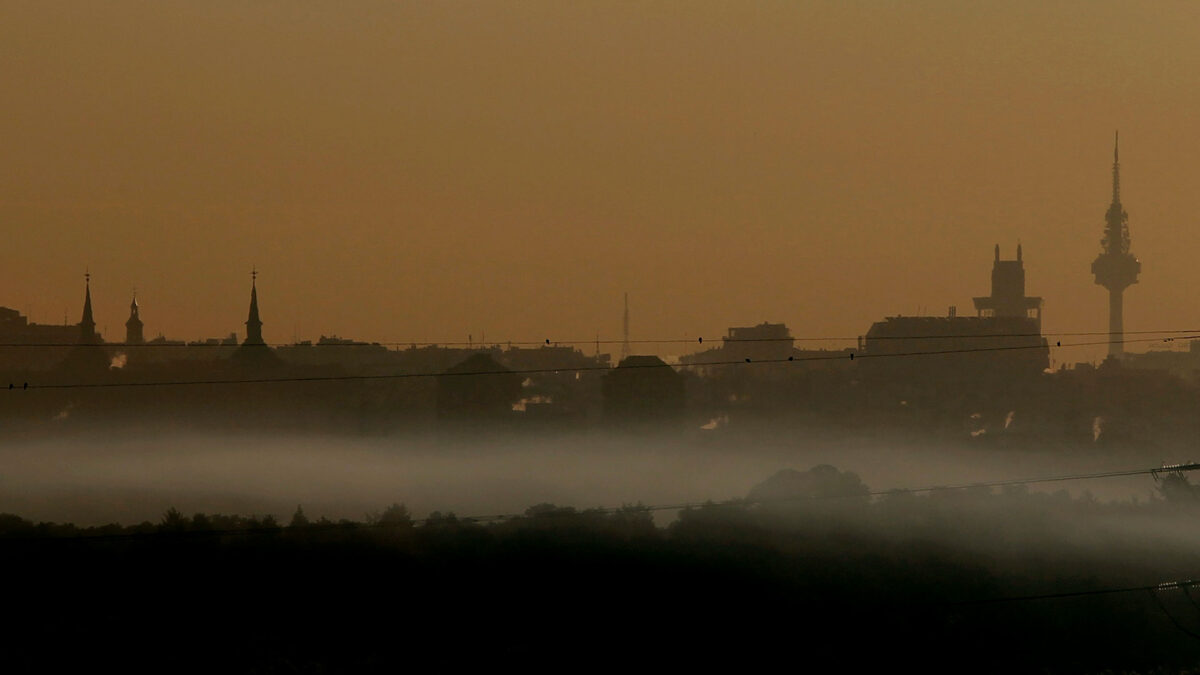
[[1164, 586], [1153, 590], [547, 342], [1171, 617], [541, 371], [1192, 600]]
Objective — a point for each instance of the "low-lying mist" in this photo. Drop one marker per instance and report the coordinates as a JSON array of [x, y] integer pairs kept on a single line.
[[945, 577], [91, 480]]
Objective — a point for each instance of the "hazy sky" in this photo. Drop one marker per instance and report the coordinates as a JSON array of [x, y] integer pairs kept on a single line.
[[422, 171]]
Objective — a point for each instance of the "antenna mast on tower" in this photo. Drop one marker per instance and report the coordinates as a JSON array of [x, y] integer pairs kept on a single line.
[[625, 333]]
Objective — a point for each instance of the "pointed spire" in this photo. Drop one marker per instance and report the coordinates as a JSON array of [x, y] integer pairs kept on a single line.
[[625, 331], [253, 322], [87, 324], [134, 326]]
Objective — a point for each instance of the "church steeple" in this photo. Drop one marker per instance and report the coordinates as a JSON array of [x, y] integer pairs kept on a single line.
[[254, 352], [88, 357], [253, 323], [87, 325], [133, 327]]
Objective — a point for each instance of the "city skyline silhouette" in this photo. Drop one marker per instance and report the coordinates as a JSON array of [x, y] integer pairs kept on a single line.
[[816, 161]]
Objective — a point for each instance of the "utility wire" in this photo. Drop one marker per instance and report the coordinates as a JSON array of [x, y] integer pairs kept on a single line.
[[1152, 589], [1175, 622], [477, 344], [540, 371], [1191, 599]]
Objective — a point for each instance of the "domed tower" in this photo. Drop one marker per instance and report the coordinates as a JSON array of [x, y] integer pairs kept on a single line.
[[133, 327], [1116, 268]]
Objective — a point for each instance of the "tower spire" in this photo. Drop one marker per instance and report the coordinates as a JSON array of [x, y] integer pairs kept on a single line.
[[253, 322], [87, 324], [1116, 227], [133, 327], [1116, 268], [625, 341]]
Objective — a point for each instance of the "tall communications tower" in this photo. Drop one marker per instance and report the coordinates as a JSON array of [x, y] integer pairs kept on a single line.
[[1116, 268]]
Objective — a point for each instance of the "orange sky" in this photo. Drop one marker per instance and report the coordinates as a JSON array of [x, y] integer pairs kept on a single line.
[[425, 171]]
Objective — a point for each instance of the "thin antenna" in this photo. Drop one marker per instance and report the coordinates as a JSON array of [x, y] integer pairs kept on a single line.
[[1116, 167], [625, 343]]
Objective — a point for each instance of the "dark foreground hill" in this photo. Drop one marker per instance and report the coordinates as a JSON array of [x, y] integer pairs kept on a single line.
[[823, 585]]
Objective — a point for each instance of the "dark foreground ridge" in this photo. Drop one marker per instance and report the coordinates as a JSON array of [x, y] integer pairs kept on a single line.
[[967, 580]]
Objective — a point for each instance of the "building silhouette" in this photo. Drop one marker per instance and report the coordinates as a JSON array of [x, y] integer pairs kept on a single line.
[[479, 389], [253, 322], [764, 342], [87, 325], [1008, 297], [1003, 343], [32, 346], [643, 389], [254, 350], [947, 349], [1116, 268], [87, 356]]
